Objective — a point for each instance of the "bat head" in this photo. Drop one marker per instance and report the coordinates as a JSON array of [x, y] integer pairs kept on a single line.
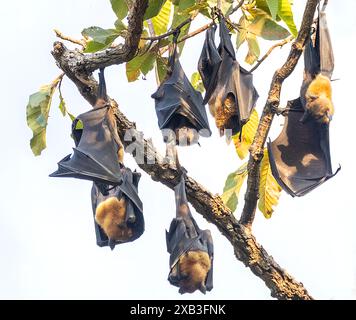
[[191, 272]]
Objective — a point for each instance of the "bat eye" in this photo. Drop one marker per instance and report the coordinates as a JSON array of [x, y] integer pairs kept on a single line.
[[184, 276]]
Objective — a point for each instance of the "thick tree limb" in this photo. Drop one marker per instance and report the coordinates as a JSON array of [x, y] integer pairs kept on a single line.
[[246, 249], [211, 207], [272, 103]]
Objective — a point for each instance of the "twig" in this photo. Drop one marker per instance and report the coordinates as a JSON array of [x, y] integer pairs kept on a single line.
[[272, 104], [247, 250], [237, 7], [279, 44], [60, 35], [192, 34], [167, 34]]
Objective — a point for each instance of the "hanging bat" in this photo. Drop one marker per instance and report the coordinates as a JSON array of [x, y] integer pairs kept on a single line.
[[316, 92], [318, 100], [179, 107], [229, 87], [191, 249], [118, 210], [98, 150], [300, 156]]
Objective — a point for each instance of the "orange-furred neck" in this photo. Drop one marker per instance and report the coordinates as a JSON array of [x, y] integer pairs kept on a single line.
[[193, 267], [319, 99], [110, 215]]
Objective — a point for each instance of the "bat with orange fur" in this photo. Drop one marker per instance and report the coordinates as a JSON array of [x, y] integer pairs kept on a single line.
[[191, 249]]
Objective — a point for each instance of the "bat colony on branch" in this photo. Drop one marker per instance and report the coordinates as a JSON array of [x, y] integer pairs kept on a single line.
[[299, 157]]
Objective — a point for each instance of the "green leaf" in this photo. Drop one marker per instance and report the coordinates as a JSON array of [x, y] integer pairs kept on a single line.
[[248, 133], [263, 26], [120, 8], [178, 18], [262, 4], [140, 64], [286, 14], [161, 68], [185, 4], [269, 190], [197, 82], [37, 112], [99, 34], [253, 49], [99, 38], [160, 21], [154, 7], [119, 25], [233, 186], [273, 6], [62, 105]]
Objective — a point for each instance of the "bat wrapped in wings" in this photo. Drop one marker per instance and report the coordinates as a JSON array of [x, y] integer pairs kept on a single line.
[[300, 156], [179, 107], [118, 210], [191, 249], [230, 92], [98, 150]]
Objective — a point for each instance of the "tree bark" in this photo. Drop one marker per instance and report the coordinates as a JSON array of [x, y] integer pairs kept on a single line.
[[78, 67]]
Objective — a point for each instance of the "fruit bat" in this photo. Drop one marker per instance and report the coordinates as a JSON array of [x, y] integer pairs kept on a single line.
[[179, 107], [98, 148], [191, 249], [316, 92], [118, 212], [229, 87], [300, 156]]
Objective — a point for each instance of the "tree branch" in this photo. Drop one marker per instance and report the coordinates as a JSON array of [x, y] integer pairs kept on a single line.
[[167, 34], [211, 207], [272, 104], [84, 64], [279, 44], [60, 35], [246, 249]]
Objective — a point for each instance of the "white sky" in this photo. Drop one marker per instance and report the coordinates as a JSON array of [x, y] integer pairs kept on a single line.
[[47, 238]]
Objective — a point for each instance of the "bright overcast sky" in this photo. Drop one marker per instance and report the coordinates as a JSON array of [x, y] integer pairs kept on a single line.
[[47, 238]]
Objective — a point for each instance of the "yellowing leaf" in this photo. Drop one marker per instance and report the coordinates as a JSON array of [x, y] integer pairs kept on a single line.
[[241, 35], [286, 14], [270, 190], [253, 49], [160, 21], [154, 7], [263, 26], [161, 68], [247, 135], [233, 186], [140, 64], [37, 112], [197, 82]]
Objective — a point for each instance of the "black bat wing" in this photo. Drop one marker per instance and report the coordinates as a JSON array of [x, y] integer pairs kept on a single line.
[[96, 155], [209, 63], [233, 79], [318, 53], [134, 209], [300, 155], [176, 98], [184, 235]]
